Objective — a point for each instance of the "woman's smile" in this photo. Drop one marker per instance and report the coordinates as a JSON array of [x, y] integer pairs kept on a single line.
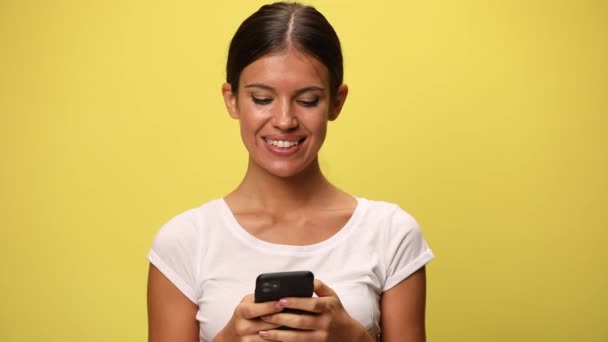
[[284, 147]]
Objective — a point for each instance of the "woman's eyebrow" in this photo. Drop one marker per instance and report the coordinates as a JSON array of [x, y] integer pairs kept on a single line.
[[269, 88], [259, 85], [310, 88]]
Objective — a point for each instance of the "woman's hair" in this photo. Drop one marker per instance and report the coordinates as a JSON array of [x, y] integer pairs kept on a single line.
[[278, 26]]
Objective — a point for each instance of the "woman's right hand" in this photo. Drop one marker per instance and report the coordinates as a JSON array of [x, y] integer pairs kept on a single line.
[[245, 322]]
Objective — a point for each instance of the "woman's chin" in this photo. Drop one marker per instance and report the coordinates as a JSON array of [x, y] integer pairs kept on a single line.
[[289, 170]]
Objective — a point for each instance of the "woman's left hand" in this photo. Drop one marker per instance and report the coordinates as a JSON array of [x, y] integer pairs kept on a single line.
[[325, 319]]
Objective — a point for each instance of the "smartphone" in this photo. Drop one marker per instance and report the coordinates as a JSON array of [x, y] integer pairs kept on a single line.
[[274, 286]]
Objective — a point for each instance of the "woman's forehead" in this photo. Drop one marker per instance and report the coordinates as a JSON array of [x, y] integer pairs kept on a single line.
[[286, 67]]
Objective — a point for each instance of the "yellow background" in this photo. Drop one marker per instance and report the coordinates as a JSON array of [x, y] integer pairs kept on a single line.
[[487, 120]]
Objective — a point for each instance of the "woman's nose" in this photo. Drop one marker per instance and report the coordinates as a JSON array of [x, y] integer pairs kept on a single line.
[[284, 118]]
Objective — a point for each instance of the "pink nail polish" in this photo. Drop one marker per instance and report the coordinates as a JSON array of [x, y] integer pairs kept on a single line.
[[281, 304], [264, 333]]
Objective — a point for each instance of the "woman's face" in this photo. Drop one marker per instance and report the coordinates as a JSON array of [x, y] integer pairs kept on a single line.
[[283, 105]]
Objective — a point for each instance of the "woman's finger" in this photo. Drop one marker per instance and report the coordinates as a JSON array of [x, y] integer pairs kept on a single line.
[[327, 300], [291, 335], [323, 290], [301, 321], [248, 309]]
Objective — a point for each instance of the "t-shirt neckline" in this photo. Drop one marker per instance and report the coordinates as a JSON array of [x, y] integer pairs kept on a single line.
[[252, 241]]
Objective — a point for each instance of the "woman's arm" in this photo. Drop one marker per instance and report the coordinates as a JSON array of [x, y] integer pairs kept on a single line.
[[171, 315], [402, 310]]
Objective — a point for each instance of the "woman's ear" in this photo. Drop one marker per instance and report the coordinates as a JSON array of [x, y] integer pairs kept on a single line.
[[230, 100], [338, 102]]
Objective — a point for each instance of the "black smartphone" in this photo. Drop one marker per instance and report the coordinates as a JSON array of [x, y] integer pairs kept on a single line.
[[277, 285], [274, 286]]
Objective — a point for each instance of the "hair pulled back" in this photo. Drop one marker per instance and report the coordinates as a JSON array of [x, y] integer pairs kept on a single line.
[[275, 27]]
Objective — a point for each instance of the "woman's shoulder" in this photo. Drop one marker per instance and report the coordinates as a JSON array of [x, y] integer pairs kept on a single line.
[[191, 221], [386, 210], [398, 237]]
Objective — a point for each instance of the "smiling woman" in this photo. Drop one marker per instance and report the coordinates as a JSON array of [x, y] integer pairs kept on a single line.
[[284, 83], [283, 107]]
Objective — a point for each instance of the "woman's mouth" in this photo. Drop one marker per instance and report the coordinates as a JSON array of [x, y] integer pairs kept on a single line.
[[283, 143]]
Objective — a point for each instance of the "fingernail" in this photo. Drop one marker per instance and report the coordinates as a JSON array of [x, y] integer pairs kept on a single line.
[[264, 333], [281, 304]]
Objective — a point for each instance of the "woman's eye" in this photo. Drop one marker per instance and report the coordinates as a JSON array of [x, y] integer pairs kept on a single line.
[[261, 100], [309, 103]]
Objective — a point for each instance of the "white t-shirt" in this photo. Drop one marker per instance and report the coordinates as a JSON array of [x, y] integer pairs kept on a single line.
[[209, 257]]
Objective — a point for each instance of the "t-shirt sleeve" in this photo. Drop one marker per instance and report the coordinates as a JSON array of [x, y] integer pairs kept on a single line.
[[407, 250], [175, 252]]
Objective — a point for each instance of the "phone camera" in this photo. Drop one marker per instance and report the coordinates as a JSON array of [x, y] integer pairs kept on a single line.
[[271, 286]]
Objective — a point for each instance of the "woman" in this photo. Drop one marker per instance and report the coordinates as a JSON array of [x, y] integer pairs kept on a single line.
[[284, 83]]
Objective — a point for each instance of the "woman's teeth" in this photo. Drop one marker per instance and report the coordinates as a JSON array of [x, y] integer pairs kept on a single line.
[[282, 143]]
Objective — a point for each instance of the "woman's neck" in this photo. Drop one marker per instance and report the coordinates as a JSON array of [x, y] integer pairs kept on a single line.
[[260, 188]]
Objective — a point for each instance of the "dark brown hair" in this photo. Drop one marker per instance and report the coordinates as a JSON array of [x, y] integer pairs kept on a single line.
[[276, 26]]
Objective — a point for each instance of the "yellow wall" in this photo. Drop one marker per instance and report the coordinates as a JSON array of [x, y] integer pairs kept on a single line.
[[485, 119]]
